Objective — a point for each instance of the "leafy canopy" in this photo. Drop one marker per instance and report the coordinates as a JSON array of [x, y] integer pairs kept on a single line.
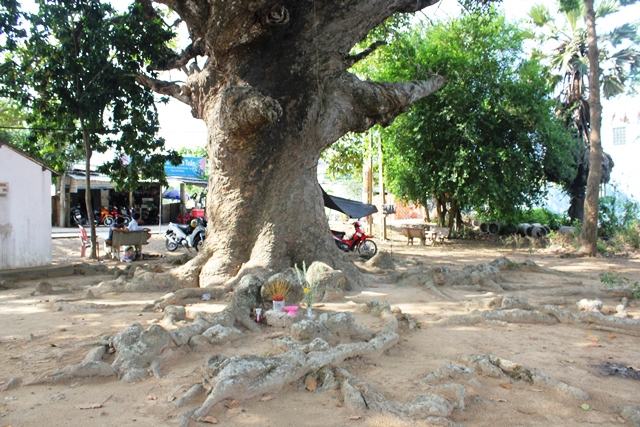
[[488, 139], [74, 70]]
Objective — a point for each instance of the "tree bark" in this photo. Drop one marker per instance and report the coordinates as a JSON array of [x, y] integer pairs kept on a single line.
[[275, 92], [453, 215], [589, 233], [87, 193], [441, 211]]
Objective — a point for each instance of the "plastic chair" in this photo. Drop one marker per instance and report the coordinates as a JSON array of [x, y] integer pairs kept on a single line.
[[85, 242]]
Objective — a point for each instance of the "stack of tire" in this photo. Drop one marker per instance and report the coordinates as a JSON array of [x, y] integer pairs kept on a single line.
[[533, 230]]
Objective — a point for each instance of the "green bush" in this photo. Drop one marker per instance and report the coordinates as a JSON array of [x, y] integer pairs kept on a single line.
[[617, 212], [626, 238], [543, 216]]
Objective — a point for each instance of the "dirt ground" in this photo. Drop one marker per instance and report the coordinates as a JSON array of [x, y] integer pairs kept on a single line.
[[37, 338]]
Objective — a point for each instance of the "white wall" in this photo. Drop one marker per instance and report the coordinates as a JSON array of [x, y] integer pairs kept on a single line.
[[623, 115], [25, 212]]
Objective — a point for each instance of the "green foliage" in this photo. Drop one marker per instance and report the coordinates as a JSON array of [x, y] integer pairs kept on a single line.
[[627, 238], [618, 48], [488, 138], [345, 157], [468, 233], [75, 75], [617, 212], [11, 120], [569, 5], [615, 280], [543, 216]]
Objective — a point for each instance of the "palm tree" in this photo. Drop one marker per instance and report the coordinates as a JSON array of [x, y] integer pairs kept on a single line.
[[617, 58]]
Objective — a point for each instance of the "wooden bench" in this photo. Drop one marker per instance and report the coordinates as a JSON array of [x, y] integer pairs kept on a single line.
[[437, 234], [136, 238], [412, 233]]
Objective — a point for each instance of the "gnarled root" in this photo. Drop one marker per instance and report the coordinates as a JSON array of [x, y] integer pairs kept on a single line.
[[249, 376]]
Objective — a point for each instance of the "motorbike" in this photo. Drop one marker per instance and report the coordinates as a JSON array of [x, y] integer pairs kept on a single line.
[[77, 217], [116, 213], [151, 217], [103, 217], [190, 235], [359, 241]]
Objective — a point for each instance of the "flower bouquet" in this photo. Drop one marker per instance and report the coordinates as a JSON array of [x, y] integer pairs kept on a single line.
[[310, 289]]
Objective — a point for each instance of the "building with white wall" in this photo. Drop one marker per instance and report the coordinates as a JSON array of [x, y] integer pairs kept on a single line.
[[620, 136], [25, 210]]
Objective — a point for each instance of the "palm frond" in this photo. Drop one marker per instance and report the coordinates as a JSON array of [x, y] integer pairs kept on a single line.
[[628, 57], [607, 7], [612, 85], [625, 33], [540, 15]]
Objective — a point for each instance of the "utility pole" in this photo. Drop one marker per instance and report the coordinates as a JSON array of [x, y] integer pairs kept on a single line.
[[381, 186], [368, 179]]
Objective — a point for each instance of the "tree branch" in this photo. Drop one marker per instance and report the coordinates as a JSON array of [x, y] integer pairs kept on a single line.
[[380, 103], [352, 59], [181, 93], [173, 60]]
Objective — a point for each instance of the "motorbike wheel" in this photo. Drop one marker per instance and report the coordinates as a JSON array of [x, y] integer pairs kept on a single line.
[[108, 221], [368, 248], [170, 244], [198, 242], [127, 220]]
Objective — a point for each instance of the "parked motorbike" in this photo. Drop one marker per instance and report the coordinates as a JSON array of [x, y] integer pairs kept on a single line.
[[189, 235], [151, 216], [77, 217], [359, 241], [103, 217], [116, 213]]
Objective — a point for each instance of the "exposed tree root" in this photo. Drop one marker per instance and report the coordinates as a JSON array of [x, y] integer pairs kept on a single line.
[[249, 376], [176, 297], [491, 365], [361, 396], [546, 314]]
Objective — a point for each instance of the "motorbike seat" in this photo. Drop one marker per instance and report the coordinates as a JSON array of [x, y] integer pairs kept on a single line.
[[340, 234], [186, 228]]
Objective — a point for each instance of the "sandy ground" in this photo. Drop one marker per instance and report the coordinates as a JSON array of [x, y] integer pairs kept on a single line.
[[36, 339]]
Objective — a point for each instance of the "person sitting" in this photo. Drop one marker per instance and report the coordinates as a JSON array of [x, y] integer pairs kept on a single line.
[[134, 225], [118, 227]]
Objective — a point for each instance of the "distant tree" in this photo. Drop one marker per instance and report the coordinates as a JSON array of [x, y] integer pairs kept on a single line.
[[576, 58], [75, 72], [12, 123], [488, 140]]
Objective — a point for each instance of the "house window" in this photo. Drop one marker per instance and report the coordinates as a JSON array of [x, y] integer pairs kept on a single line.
[[619, 136]]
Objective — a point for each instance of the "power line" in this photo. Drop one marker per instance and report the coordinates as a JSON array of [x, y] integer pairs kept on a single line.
[[48, 129]]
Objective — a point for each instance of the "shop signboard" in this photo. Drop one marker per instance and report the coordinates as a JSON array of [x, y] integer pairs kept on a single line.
[[191, 167]]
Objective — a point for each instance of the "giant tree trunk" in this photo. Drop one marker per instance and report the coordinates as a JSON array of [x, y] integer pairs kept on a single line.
[[275, 92], [589, 234]]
